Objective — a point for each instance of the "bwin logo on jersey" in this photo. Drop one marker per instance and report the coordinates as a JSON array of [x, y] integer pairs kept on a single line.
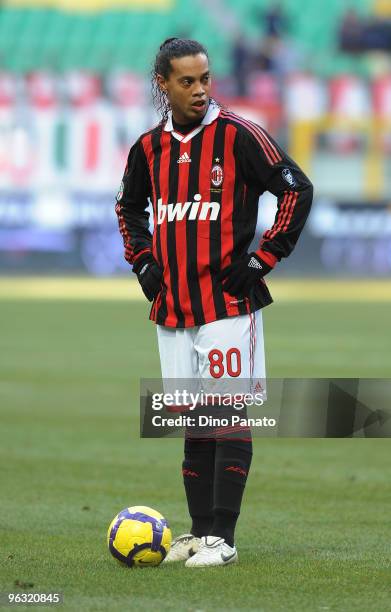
[[191, 210], [288, 177]]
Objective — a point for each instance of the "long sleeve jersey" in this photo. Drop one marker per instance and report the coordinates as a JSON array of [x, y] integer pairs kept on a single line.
[[204, 187]]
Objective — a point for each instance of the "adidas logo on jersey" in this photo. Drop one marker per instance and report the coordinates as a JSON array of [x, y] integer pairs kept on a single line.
[[184, 159], [254, 263], [191, 210]]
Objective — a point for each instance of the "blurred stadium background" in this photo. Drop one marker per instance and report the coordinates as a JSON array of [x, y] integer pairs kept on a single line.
[[75, 94]]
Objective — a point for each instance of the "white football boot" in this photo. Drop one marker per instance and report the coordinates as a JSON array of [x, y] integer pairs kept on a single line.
[[213, 551], [182, 548]]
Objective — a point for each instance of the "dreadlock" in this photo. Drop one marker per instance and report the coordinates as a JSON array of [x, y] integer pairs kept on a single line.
[[172, 48]]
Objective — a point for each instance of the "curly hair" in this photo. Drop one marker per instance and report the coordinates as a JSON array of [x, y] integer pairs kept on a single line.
[[172, 48]]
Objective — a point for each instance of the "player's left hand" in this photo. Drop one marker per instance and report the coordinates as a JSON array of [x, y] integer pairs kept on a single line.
[[241, 275]]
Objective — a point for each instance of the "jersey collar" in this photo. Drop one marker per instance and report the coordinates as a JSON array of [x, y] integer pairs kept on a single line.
[[211, 115]]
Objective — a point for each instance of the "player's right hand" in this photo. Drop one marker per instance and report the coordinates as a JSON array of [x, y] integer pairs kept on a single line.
[[149, 275]]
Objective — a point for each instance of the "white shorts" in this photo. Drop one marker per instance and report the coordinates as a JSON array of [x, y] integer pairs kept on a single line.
[[222, 355]]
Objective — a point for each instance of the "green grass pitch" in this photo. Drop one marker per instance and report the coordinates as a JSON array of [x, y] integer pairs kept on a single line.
[[314, 533]]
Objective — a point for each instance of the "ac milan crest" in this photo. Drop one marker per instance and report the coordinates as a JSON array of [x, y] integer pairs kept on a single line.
[[217, 175]]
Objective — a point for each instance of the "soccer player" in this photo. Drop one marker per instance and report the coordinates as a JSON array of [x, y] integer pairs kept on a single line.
[[204, 168]]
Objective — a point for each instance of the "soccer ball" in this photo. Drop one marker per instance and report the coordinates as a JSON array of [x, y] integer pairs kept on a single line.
[[139, 536]]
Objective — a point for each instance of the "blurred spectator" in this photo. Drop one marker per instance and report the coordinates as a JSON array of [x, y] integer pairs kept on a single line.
[[274, 20], [276, 53], [264, 57], [286, 57], [350, 33], [377, 35], [278, 56], [357, 35], [241, 58]]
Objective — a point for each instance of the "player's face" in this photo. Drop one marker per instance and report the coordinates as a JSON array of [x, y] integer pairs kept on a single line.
[[188, 87]]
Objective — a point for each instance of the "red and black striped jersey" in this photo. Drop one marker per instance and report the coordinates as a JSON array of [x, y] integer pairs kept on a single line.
[[204, 187]]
